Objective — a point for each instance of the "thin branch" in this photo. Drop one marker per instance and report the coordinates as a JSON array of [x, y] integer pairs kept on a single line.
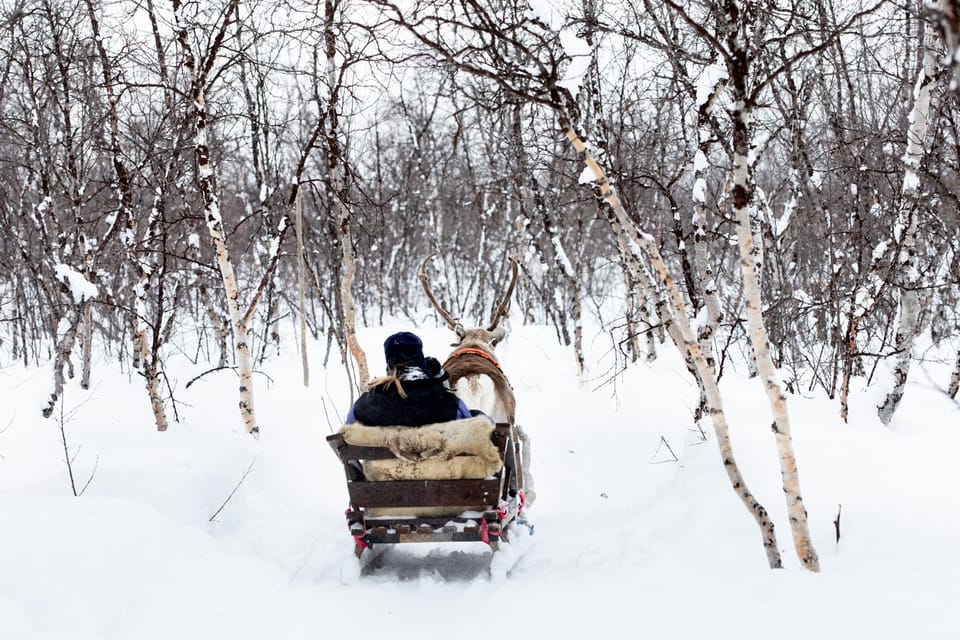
[[86, 484], [831, 38], [242, 478]]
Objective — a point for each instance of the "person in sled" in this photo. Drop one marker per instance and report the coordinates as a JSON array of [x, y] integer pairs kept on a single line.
[[413, 393]]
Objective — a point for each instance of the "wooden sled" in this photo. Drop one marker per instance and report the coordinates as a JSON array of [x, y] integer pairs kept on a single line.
[[475, 509]]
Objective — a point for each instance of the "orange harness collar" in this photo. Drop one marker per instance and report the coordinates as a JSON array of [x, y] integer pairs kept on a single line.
[[477, 352]]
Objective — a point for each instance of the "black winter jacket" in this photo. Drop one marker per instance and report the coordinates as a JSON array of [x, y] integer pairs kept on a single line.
[[429, 399]]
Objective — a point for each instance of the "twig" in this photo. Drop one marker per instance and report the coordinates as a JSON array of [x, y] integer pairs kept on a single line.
[[7, 427], [66, 452], [9, 423], [326, 414], [836, 524], [173, 401], [205, 373], [663, 443], [92, 473], [242, 478]]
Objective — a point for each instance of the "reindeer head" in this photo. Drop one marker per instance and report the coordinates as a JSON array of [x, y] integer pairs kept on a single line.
[[484, 338]]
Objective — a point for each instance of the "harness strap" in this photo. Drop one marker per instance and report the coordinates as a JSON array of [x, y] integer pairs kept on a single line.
[[477, 352]]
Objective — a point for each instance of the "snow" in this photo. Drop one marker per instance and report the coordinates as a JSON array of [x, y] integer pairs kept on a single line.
[[816, 179], [708, 80], [627, 541], [546, 11], [586, 176], [80, 288], [911, 181], [580, 54], [551, 14], [783, 222], [214, 221], [700, 190], [700, 161]]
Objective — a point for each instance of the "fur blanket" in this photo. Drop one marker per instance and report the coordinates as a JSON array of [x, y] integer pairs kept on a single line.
[[456, 450]]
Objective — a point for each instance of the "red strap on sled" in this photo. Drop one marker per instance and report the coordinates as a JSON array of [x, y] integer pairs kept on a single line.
[[359, 539], [485, 531]]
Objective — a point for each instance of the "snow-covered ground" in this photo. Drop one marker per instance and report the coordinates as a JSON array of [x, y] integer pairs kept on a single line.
[[628, 542]]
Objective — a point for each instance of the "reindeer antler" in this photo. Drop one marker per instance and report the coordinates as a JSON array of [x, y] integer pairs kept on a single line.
[[452, 322], [504, 303]]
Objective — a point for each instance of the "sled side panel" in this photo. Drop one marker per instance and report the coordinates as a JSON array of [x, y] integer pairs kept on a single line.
[[424, 493]]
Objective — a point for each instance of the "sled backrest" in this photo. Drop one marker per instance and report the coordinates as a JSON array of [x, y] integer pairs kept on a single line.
[[481, 493]]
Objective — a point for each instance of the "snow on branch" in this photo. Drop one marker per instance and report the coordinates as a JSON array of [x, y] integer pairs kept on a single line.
[[80, 288]]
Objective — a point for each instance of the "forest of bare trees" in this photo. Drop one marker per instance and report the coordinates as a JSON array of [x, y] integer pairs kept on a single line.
[[766, 182]]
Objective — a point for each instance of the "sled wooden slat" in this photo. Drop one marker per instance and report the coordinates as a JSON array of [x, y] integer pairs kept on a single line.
[[424, 493], [438, 535]]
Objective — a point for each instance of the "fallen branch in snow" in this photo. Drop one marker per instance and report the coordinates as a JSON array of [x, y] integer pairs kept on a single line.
[[836, 523], [242, 478], [663, 443]]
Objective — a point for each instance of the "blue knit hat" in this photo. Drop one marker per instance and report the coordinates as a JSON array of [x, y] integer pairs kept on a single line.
[[403, 348]]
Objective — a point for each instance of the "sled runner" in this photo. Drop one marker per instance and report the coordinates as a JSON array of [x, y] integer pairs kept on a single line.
[[458, 481]]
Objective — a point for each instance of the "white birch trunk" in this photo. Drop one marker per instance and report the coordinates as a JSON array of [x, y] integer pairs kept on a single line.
[[906, 229], [240, 344], [215, 224], [634, 307], [67, 336], [706, 278], [86, 344], [147, 359], [864, 300], [742, 191], [686, 340], [302, 293], [955, 379]]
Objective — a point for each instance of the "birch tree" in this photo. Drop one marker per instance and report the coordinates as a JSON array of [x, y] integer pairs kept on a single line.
[[149, 357], [538, 82], [211, 200], [739, 42], [738, 56], [905, 234]]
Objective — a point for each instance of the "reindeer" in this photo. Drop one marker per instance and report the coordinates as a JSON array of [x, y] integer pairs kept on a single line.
[[475, 373]]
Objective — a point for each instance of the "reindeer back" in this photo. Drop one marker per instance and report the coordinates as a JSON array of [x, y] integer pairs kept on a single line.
[[464, 366]]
